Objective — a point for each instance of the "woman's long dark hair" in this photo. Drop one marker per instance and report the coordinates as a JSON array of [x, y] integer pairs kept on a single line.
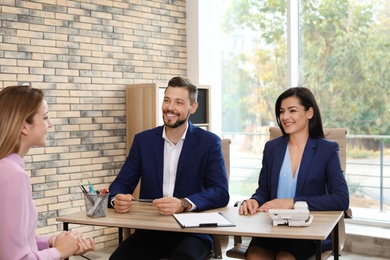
[[306, 98]]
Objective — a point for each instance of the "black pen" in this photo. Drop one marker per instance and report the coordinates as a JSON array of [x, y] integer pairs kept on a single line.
[[86, 194], [82, 188], [208, 224], [143, 200]]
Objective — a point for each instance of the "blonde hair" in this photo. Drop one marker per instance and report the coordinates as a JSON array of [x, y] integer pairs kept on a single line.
[[18, 104]]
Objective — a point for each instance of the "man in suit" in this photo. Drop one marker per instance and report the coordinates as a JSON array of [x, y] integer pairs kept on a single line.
[[182, 169]]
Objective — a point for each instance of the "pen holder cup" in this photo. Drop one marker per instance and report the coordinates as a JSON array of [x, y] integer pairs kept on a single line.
[[96, 204]]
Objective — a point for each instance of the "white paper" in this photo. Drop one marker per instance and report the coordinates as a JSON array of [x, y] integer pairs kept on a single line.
[[215, 219]]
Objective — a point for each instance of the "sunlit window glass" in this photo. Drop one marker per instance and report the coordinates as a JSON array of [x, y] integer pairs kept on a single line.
[[254, 67], [344, 52], [343, 59]]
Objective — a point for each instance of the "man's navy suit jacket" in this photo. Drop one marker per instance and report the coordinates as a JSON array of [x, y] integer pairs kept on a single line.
[[201, 174]]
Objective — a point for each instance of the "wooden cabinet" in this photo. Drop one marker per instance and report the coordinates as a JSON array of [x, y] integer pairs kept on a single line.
[[143, 109]]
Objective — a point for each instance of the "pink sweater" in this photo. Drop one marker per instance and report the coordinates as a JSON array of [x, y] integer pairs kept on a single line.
[[18, 218]]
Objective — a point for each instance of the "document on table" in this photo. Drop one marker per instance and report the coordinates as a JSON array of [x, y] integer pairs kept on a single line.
[[191, 220]]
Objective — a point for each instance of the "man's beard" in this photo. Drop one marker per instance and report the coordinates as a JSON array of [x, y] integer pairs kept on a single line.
[[177, 123]]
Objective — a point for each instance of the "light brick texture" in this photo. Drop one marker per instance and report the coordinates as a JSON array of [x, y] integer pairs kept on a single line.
[[82, 53]]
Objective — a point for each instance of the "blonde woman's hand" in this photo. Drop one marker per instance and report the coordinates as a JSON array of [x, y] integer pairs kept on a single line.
[[52, 240], [85, 245], [66, 243]]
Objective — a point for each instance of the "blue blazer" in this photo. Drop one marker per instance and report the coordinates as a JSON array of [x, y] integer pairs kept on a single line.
[[201, 174], [321, 181]]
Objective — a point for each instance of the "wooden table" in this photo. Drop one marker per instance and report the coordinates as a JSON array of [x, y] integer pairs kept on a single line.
[[145, 216]]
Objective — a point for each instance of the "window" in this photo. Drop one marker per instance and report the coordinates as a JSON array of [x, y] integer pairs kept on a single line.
[[343, 50]]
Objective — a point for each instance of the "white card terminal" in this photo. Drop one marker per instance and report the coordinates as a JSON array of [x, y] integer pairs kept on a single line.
[[298, 217]]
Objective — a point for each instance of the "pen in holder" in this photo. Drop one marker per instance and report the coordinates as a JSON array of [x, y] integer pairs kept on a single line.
[[96, 204]]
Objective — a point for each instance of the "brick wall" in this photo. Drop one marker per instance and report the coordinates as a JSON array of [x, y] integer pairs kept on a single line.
[[83, 53]]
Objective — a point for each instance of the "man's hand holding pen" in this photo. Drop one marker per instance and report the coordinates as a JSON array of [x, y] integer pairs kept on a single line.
[[165, 206], [123, 203], [168, 205]]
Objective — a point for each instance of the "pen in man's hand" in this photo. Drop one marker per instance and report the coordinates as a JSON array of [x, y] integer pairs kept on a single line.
[[143, 200]]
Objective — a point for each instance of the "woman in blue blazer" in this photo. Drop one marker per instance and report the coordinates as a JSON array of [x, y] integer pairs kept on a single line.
[[301, 165]]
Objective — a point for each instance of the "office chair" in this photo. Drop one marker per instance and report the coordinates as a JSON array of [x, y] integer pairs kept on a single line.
[[217, 253], [335, 134]]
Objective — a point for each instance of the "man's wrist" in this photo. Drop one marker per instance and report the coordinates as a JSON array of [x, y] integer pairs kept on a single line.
[[186, 205]]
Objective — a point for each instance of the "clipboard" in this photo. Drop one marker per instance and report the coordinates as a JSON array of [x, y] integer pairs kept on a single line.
[[194, 220]]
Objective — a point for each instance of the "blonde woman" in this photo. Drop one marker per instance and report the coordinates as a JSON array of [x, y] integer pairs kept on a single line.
[[24, 122]]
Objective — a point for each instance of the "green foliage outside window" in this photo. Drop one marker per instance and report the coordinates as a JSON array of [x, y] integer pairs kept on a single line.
[[344, 59]]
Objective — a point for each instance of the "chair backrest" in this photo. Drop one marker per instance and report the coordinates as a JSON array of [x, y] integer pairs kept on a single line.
[[226, 155], [338, 135]]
